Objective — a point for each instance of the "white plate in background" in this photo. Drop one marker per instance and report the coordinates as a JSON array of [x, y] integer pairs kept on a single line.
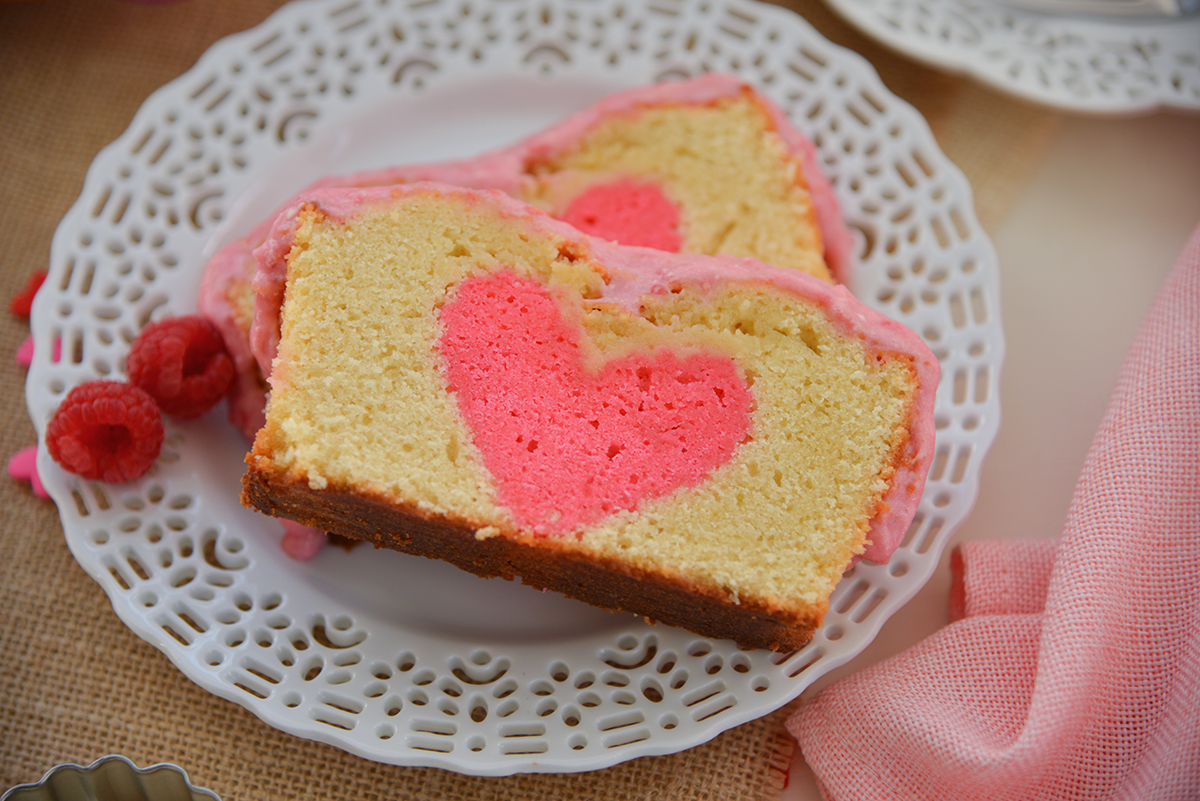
[[1092, 64]]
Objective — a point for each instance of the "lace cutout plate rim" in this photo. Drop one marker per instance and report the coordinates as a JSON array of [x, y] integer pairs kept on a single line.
[[411, 662]]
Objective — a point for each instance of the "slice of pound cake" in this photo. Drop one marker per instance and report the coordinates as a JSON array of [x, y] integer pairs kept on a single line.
[[706, 165], [705, 441]]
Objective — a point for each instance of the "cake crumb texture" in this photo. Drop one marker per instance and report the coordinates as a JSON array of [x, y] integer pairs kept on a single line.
[[739, 191]]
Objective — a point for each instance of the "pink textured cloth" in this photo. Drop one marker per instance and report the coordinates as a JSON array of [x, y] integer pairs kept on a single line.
[[1072, 668]]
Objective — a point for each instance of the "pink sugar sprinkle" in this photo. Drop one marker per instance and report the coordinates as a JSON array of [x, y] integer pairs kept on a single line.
[[22, 466], [24, 355], [25, 352]]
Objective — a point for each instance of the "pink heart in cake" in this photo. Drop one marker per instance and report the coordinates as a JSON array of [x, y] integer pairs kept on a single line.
[[627, 212], [568, 446]]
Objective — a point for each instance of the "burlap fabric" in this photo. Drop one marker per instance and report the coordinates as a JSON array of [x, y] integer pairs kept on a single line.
[[75, 684]]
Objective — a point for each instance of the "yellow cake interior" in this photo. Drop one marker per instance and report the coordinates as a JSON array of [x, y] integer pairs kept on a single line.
[[359, 399], [738, 189]]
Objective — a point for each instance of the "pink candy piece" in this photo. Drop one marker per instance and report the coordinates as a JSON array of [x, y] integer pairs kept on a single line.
[[25, 352], [22, 466], [567, 446], [24, 355], [301, 542], [627, 212]]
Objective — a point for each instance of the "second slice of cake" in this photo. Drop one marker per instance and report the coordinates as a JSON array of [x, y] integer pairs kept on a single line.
[[707, 442]]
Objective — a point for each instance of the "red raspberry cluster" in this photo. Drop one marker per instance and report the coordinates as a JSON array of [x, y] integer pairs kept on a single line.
[[112, 431]]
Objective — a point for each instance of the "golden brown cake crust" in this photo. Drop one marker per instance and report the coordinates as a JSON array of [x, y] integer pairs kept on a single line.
[[539, 562]]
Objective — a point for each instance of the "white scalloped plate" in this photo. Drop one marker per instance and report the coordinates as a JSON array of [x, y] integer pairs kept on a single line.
[[400, 659], [1094, 64]]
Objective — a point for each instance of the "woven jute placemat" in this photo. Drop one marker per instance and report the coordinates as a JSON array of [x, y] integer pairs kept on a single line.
[[75, 684]]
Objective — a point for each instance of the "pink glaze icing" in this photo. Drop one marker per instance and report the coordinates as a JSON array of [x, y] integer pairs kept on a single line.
[[227, 273], [566, 446], [628, 212], [633, 273]]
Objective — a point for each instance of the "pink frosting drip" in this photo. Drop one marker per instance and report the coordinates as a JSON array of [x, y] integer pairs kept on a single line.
[[300, 542], [228, 272], [567, 447], [628, 212]]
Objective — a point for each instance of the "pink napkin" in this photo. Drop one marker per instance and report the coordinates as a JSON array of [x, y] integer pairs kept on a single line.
[[1072, 670]]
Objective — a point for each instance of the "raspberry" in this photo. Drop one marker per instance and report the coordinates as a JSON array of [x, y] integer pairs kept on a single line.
[[182, 363], [22, 302], [106, 431]]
